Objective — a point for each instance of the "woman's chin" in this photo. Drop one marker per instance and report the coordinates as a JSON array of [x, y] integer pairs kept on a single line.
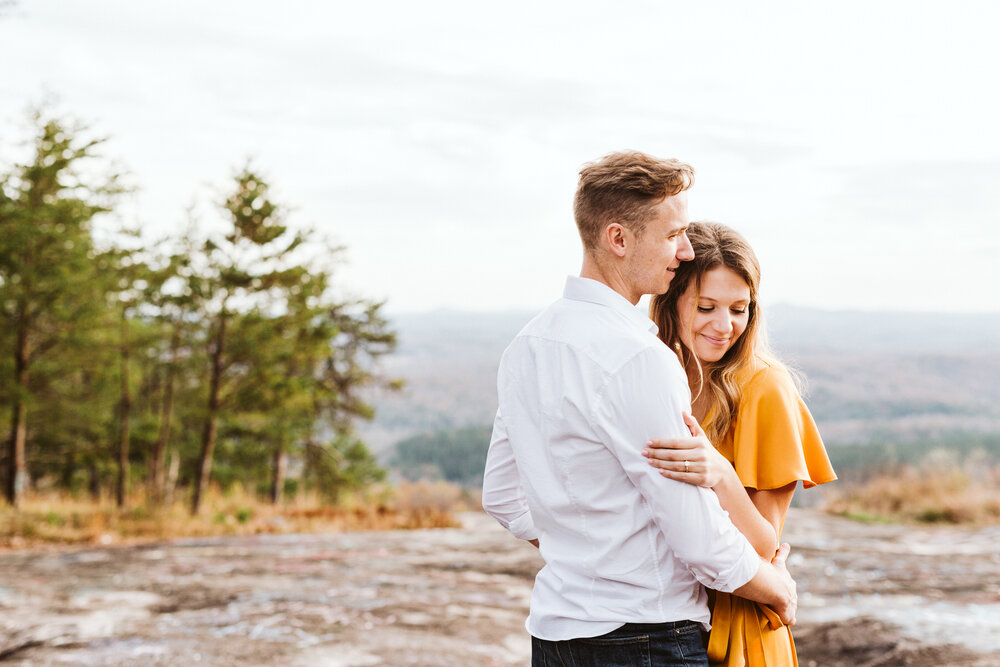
[[711, 356]]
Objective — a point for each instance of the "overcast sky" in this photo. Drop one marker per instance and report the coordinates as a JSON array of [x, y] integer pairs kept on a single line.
[[855, 144]]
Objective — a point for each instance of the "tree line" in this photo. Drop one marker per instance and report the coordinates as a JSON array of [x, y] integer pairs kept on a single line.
[[202, 356], [456, 455]]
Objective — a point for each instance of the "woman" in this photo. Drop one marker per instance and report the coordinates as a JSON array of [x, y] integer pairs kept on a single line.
[[748, 405]]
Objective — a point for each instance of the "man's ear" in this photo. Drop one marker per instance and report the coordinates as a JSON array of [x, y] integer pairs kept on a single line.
[[618, 238]]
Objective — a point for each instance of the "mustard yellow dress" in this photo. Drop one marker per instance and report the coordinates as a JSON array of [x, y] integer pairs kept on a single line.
[[773, 442]]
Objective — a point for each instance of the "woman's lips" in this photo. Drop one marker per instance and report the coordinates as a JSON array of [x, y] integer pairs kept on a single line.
[[715, 341]]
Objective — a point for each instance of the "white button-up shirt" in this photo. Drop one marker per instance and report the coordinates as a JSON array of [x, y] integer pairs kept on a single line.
[[582, 388]]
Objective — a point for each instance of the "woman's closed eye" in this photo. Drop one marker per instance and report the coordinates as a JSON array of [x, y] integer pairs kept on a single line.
[[734, 311]]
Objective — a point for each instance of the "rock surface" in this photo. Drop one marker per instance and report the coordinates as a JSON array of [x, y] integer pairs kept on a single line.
[[869, 596]]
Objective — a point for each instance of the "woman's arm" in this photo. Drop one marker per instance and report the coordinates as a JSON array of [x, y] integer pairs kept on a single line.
[[757, 514]]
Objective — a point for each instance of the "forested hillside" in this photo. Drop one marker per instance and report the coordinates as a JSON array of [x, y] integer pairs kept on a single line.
[[897, 385]]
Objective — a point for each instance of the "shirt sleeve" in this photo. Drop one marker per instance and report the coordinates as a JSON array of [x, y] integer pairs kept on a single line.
[[503, 494], [644, 399], [775, 440]]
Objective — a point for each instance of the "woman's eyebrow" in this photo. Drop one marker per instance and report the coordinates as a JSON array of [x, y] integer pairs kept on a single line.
[[708, 298]]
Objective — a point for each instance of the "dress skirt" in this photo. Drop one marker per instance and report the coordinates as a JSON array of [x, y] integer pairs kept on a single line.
[[747, 634]]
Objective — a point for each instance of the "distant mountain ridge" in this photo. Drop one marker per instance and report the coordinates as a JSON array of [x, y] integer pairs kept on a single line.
[[894, 375], [788, 326]]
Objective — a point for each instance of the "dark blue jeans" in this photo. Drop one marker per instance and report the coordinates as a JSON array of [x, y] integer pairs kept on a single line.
[[677, 644]]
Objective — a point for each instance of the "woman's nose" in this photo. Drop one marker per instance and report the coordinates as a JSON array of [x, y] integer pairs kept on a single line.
[[723, 323]]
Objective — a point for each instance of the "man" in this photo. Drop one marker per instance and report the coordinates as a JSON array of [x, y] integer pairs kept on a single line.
[[581, 389]]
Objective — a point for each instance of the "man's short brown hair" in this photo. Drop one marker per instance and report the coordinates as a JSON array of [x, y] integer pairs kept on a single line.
[[623, 187]]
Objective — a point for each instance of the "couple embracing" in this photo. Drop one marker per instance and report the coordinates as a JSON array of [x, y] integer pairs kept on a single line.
[[652, 459]]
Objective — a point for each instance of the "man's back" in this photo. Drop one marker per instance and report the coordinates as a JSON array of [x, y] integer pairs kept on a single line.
[[581, 389]]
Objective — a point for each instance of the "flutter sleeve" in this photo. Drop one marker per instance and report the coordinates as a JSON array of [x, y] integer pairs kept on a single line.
[[775, 440]]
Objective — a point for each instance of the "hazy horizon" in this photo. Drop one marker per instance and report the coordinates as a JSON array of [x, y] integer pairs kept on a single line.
[[390, 311]]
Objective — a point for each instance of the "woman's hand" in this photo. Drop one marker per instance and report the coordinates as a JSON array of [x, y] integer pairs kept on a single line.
[[692, 460]]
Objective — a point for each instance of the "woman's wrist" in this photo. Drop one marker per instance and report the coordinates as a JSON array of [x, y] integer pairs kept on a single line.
[[729, 480]]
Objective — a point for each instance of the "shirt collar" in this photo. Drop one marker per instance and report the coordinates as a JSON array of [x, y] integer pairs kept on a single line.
[[593, 291]]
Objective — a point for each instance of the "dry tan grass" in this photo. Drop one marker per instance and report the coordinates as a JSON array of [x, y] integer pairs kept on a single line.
[[62, 519], [936, 491]]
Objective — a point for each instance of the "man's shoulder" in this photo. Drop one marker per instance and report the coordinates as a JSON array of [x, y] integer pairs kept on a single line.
[[600, 334]]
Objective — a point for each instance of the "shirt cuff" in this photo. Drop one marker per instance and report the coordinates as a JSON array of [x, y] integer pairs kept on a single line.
[[742, 571], [523, 527]]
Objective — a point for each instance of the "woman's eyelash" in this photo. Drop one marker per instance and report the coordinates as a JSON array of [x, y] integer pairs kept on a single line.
[[708, 309]]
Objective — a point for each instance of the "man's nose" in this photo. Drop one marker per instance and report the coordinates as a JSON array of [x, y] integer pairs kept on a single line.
[[685, 252]]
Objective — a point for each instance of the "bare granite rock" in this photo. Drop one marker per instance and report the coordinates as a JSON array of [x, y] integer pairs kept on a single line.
[[869, 596]]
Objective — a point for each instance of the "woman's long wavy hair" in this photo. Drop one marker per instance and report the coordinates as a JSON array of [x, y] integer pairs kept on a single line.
[[716, 245]]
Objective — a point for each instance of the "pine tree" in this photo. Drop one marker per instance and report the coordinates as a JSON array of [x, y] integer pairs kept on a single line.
[[47, 206], [243, 269]]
